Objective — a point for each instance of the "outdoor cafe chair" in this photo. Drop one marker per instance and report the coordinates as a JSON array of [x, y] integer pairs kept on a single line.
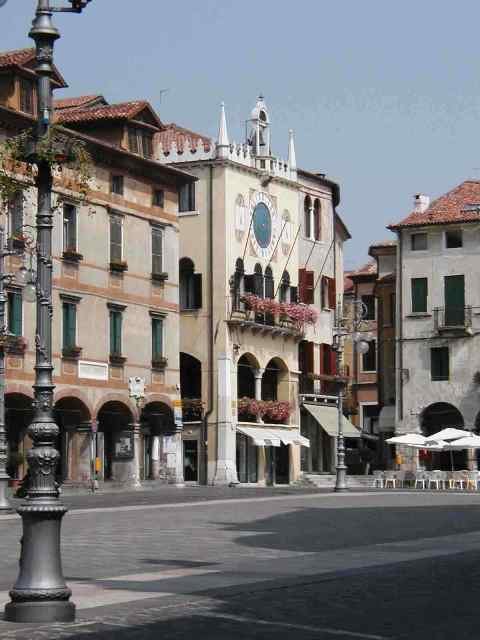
[[435, 478], [472, 480], [378, 479], [420, 478], [400, 477], [390, 477], [451, 479], [458, 479]]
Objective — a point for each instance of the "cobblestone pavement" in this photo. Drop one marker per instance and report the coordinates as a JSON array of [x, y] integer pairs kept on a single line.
[[373, 566]]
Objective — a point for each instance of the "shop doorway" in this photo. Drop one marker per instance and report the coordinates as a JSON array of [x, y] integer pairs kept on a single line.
[[277, 465], [190, 460]]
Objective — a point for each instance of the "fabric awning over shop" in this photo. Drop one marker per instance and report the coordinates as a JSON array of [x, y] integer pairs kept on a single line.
[[268, 437], [386, 419], [327, 418]]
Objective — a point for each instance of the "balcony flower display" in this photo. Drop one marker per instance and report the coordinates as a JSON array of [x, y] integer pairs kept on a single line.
[[271, 410], [300, 314]]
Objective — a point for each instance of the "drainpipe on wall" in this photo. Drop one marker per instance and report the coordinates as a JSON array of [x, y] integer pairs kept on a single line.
[[209, 410], [399, 334]]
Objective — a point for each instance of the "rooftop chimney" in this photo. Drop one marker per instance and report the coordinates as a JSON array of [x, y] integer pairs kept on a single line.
[[421, 202]]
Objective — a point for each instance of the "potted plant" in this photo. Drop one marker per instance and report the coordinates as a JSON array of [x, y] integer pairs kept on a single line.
[[71, 255], [14, 461], [72, 353], [118, 266]]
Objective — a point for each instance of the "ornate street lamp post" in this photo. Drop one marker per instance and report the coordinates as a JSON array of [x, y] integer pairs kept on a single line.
[[341, 330], [40, 593]]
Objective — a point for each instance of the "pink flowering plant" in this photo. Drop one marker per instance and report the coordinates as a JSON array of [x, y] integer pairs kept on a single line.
[[300, 314], [276, 411]]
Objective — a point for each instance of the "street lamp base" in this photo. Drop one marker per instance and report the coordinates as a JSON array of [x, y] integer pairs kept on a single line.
[[40, 612], [341, 479]]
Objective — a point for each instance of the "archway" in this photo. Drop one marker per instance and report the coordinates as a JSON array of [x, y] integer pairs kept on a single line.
[[157, 420], [74, 442], [115, 438], [275, 387], [435, 417], [191, 387], [275, 381], [18, 416]]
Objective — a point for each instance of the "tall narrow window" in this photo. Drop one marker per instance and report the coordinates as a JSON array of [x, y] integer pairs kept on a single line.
[[369, 359], [269, 283], [439, 363], [69, 334], [419, 295], [157, 338], [186, 197], [306, 286], [133, 140], [157, 250], [317, 220], [285, 287], [15, 212], [307, 222], [116, 185], [190, 286], [116, 239], [368, 303], [26, 96], [15, 322], [116, 319], [69, 228], [158, 198]]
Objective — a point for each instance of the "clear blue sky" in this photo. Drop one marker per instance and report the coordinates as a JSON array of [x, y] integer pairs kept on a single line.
[[382, 95]]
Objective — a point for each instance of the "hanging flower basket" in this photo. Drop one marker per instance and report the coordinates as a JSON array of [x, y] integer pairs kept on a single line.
[[272, 410]]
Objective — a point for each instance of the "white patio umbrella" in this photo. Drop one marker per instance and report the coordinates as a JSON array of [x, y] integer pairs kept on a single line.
[[448, 434], [408, 440], [472, 441]]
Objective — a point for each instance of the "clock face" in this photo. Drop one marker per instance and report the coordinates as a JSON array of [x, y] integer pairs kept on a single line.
[[262, 225], [264, 219]]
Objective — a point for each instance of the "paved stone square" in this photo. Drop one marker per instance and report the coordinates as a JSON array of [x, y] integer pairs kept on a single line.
[[297, 565]]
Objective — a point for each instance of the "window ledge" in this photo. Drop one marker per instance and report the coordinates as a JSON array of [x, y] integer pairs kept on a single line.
[[117, 360], [185, 214], [159, 364], [71, 353], [423, 314], [193, 310], [72, 256], [160, 277], [118, 267]]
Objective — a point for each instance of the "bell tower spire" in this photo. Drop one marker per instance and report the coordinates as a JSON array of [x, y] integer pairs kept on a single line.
[[223, 144]]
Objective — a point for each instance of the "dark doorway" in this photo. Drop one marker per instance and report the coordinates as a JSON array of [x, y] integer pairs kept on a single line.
[[277, 465], [437, 416], [190, 460]]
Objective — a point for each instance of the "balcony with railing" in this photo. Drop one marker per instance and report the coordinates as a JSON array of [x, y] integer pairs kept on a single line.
[[453, 319]]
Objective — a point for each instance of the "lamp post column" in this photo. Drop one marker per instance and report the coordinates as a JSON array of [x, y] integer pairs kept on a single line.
[[341, 476], [4, 504], [40, 593]]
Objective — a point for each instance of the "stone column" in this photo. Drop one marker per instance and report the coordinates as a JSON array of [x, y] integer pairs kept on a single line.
[[226, 471], [171, 457], [155, 458], [258, 387]]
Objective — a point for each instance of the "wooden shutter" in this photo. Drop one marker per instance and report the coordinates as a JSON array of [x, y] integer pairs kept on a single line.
[[332, 293], [419, 295], [440, 366], [115, 239], [157, 338], [115, 332], [309, 357], [69, 325], [454, 300], [132, 139], [301, 284], [15, 313], [197, 290], [309, 291], [157, 250]]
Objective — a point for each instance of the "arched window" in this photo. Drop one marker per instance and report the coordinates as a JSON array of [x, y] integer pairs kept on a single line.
[[190, 285], [258, 280], [285, 287], [317, 220], [269, 283], [307, 217], [238, 284]]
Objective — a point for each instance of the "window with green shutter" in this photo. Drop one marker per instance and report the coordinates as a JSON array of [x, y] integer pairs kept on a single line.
[[157, 250], [116, 252], [419, 295], [157, 338], [15, 324], [69, 325], [115, 332], [439, 363]]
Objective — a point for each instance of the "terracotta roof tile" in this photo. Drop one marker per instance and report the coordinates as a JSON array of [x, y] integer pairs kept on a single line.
[[368, 269], [347, 282], [123, 110], [182, 137], [18, 57], [461, 204], [384, 243], [78, 101]]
